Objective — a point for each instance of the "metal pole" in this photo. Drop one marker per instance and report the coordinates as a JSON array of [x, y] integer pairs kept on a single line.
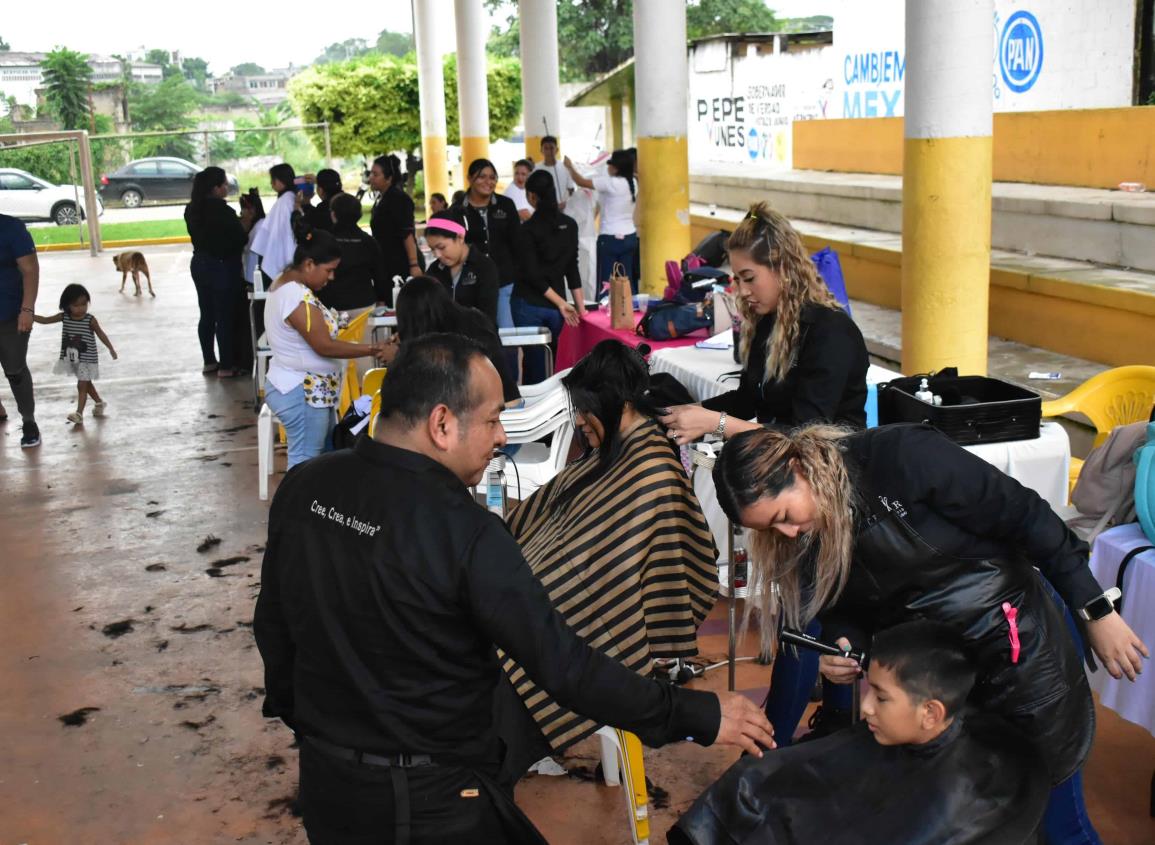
[[328, 147], [733, 618], [208, 150], [89, 182]]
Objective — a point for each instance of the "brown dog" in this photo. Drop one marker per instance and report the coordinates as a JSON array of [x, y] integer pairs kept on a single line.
[[132, 262]]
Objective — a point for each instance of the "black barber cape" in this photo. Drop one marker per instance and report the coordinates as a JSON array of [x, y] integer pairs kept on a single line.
[[977, 784], [384, 590]]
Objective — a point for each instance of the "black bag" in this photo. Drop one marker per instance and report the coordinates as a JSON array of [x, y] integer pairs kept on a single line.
[[713, 248], [691, 292]]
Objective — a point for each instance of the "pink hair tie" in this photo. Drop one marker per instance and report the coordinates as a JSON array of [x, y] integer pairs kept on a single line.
[[444, 225]]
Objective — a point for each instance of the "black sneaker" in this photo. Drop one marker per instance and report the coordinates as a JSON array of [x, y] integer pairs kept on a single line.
[[31, 435]]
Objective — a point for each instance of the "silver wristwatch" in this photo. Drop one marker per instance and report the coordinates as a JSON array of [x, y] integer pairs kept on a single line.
[[720, 431]]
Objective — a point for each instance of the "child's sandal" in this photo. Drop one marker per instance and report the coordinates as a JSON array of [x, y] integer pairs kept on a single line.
[[75, 418]]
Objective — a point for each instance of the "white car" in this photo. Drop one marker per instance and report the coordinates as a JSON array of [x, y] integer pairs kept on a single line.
[[31, 198]]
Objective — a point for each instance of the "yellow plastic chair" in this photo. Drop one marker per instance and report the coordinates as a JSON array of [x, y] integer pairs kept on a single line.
[[372, 380], [374, 410], [1116, 397], [350, 380]]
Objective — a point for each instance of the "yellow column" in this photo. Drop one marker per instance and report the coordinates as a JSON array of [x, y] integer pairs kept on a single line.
[[431, 84], [661, 73], [472, 91], [946, 192]]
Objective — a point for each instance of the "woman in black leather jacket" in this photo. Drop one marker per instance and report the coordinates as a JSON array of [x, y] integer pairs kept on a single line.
[[874, 528]]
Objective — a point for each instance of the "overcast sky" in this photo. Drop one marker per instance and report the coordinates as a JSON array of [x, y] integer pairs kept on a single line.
[[228, 33]]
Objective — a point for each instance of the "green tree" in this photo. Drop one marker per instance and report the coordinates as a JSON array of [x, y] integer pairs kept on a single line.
[[372, 105], [196, 71], [67, 78], [395, 43], [4, 48], [247, 69], [342, 51], [165, 107], [598, 35]]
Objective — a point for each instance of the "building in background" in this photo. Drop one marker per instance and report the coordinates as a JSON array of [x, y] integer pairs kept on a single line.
[[21, 76], [268, 89]]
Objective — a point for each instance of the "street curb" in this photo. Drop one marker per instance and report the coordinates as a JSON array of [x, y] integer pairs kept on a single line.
[[182, 239]]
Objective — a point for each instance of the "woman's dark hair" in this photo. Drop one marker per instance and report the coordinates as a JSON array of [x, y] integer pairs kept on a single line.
[[346, 209], [452, 213], [478, 165], [524, 162], [314, 245], [284, 174], [388, 166], [424, 307], [437, 195], [458, 198], [71, 294], [600, 385], [329, 181], [204, 183], [624, 163], [540, 184]]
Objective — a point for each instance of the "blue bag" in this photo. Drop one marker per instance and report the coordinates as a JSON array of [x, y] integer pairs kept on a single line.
[[671, 318]]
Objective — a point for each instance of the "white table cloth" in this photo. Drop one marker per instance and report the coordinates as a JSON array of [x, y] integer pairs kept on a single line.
[[1135, 702], [1042, 464]]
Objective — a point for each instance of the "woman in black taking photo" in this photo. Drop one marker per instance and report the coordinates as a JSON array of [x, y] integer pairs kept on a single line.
[[218, 240], [492, 224], [549, 266]]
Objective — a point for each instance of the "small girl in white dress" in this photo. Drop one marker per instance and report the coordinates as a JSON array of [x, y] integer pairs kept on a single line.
[[78, 354]]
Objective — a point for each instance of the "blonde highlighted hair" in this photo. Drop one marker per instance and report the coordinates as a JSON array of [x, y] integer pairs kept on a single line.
[[772, 242], [761, 464]]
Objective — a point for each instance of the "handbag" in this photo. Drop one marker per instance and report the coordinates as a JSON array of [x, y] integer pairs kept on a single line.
[[621, 299], [672, 318]]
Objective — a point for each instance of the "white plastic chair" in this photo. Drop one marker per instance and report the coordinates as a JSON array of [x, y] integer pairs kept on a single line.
[[535, 463]]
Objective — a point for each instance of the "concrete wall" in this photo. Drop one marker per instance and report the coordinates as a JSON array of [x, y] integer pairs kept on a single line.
[[1091, 148]]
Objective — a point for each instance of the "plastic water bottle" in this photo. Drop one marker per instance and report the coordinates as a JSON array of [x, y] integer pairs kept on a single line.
[[397, 282], [923, 394], [495, 496]]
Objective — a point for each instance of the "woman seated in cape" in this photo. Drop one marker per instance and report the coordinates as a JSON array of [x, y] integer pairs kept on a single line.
[[620, 543]]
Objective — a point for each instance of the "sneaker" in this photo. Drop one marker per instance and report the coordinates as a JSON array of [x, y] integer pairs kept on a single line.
[[98, 409], [31, 436], [75, 418]]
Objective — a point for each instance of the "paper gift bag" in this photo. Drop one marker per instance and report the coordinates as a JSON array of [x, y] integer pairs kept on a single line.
[[621, 299]]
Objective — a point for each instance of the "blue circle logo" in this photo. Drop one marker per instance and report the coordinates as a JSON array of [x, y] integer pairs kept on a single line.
[[1021, 51], [751, 147]]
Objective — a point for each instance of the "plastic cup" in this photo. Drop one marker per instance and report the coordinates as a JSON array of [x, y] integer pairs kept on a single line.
[[643, 302]]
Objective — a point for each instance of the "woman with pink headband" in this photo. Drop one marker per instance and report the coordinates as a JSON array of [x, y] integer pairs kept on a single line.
[[469, 274]]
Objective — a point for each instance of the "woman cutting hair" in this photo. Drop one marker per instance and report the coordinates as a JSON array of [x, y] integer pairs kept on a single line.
[[468, 274], [619, 542], [804, 359], [874, 528]]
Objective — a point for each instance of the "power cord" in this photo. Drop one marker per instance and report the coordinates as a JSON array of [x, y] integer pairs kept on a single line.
[[517, 474]]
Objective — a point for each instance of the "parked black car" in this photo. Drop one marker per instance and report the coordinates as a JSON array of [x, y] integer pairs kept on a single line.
[[161, 178]]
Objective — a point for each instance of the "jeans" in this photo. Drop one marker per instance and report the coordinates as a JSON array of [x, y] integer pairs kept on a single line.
[[613, 250], [218, 282], [14, 362], [309, 429], [505, 321], [527, 314], [791, 681]]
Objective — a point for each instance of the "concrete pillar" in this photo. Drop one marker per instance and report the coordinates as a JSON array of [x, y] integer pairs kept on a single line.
[[946, 189], [615, 133], [661, 74], [472, 90], [431, 83], [540, 90]]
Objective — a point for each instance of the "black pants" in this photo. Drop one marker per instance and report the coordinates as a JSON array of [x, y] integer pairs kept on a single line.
[[219, 283], [14, 360], [346, 803]]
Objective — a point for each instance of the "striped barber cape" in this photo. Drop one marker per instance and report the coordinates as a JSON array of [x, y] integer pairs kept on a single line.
[[630, 564]]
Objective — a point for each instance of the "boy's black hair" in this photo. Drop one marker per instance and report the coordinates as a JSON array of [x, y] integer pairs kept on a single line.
[[929, 661], [72, 293]]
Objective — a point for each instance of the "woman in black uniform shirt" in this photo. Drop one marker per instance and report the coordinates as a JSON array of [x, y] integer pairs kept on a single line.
[[468, 274], [805, 359], [492, 222], [360, 280]]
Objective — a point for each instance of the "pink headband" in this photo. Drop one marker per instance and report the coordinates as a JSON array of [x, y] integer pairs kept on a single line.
[[444, 225]]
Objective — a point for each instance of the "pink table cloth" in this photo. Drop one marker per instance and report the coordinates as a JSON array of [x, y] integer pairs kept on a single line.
[[575, 342]]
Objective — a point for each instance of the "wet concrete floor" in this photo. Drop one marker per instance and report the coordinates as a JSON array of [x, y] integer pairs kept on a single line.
[[107, 603]]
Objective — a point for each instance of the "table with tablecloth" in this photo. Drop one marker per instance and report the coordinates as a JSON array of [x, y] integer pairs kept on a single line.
[[1135, 702], [575, 342], [1041, 464]]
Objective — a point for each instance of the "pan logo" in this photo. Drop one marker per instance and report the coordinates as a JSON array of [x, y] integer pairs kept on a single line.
[[1021, 51]]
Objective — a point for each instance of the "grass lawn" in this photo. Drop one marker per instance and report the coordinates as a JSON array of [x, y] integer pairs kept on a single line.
[[45, 235]]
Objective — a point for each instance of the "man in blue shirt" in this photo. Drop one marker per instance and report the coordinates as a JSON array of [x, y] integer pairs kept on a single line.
[[19, 282]]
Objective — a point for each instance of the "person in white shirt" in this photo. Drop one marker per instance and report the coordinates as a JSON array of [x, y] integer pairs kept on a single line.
[[303, 382], [516, 191], [275, 243], [617, 235], [560, 174]]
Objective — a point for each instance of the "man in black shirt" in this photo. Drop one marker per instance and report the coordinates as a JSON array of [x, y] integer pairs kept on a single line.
[[385, 588]]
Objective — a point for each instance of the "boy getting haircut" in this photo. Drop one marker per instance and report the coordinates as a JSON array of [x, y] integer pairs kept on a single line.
[[929, 661]]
